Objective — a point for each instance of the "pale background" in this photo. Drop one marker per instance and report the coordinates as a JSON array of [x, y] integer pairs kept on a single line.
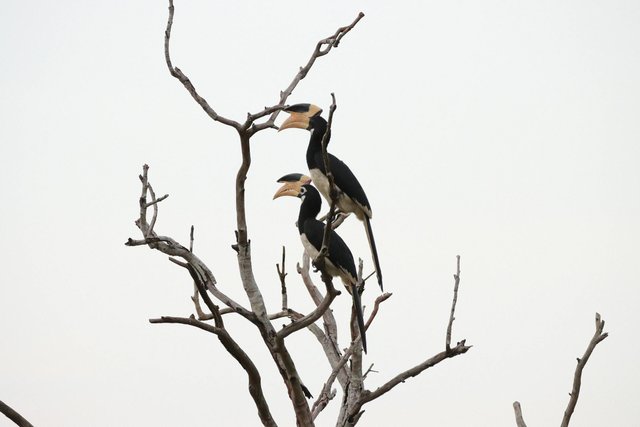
[[505, 132]]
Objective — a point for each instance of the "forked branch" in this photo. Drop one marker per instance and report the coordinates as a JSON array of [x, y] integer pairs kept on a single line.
[[353, 413]]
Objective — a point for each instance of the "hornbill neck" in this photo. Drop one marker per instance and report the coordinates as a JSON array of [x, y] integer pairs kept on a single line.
[[315, 142], [310, 207]]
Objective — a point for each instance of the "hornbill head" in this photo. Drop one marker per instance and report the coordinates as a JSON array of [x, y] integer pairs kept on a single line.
[[302, 116], [293, 184]]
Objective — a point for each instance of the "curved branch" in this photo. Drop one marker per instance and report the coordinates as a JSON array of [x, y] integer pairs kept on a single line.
[[175, 72], [310, 318], [13, 415], [255, 382], [598, 336], [322, 48]]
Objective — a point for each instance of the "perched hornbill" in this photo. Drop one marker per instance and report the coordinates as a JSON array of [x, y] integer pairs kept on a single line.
[[339, 260], [351, 196]]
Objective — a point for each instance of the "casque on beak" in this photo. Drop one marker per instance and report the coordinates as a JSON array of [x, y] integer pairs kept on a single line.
[[299, 116], [292, 184]]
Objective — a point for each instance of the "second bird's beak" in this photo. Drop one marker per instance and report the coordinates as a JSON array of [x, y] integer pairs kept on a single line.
[[288, 189]]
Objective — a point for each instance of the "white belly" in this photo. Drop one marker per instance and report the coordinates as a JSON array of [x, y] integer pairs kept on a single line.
[[344, 202]]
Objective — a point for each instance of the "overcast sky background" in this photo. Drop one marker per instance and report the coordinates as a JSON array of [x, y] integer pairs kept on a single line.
[[505, 132]]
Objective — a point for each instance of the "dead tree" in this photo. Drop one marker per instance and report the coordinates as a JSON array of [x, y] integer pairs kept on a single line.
[[346, 365]]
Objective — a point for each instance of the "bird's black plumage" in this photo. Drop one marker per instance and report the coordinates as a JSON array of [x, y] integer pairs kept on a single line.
[[351, 196], [339, 260]]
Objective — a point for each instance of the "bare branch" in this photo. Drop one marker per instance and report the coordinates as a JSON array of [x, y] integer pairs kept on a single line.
[[459, 349], [314, 315], [196, 302], [351, 414], [330, 326], [326, 394], [13, 415], [598, 336], [518, 411], [333, 192], [157, 200], [255, 382], [175, 72], [323, 47], [456, 278], [283, 284], [191, 240], [369, 370], [172, 248]]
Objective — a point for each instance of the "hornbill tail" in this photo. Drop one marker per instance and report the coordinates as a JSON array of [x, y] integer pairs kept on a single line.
[[357, 306], [374, 251]]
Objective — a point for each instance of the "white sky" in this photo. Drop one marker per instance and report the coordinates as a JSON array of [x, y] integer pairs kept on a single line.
[[505, 132]]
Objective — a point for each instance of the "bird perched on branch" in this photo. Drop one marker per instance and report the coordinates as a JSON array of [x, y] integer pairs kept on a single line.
[[339, 260], [350, 195]]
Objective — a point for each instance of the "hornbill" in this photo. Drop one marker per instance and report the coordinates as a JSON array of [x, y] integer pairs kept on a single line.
[[339, 260], [351, 197]]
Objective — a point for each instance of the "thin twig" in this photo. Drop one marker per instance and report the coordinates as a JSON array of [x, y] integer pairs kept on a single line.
[[157, 200], [283, 284], [191, 240], [332, 293], [598, 336], [518, 411], [364, 376], [456, 278], [175, 72], [322, 48], [332, 187]]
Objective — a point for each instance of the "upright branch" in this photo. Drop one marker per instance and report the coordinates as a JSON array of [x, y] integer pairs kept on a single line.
[[283, 284], [598, 336], [456, 278], [518, 411], [333, 192]]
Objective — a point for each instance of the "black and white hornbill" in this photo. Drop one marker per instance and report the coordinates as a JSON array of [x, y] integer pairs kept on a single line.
[[351, 196], [339, 261]]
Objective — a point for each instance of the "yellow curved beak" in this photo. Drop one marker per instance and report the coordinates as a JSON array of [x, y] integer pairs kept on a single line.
[[289, 189], [300, 117]]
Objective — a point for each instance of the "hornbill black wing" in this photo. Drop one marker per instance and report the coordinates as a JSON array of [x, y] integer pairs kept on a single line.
[[339, 253], [341, 257], [348, 184], [345, 180]]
